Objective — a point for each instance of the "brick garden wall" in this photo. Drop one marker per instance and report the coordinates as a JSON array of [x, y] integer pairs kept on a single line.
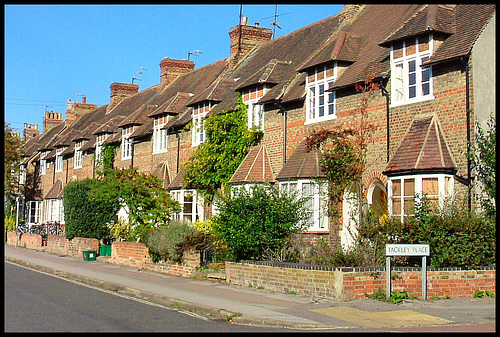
[[136, 254], [352, 283]]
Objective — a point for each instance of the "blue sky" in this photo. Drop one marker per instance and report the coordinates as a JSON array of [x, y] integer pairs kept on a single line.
[[55, 52]]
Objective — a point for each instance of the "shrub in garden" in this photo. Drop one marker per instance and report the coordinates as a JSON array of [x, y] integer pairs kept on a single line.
[[257, 223], [457, 238], [164, 241], [84, 215]]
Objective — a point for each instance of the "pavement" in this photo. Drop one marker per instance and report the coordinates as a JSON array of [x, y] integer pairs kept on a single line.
[[244, 305]]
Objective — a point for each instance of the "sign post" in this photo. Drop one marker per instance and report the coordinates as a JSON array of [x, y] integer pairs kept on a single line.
[[407, 250]]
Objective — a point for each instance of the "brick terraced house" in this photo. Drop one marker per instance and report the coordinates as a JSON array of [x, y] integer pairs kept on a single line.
[[434, 65]]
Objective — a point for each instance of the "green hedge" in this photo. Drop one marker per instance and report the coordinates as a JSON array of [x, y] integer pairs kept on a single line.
[[86, 217]]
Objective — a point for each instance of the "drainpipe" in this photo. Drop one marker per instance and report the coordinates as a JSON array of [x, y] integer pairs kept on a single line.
[[178, 149], [387, 102], [465, 62], [285, 115], [67, 170], [132, 143]]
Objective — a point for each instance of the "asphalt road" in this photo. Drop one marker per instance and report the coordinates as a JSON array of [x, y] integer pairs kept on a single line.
[[39, 302]]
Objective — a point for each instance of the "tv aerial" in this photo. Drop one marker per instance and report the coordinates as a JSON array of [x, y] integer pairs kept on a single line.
[[275, 22], [139, 73], [195, 53]]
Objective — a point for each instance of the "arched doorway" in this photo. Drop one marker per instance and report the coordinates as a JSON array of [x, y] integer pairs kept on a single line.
[[377, 198]]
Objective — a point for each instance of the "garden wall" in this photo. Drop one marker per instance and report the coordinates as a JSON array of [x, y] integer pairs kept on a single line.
[[344, 284], [136, 254]]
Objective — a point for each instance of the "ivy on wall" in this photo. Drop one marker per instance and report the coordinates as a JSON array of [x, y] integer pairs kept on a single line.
[[215, 161]]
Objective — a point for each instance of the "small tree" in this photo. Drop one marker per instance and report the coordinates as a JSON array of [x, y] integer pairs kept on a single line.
[[257, 223], [484, 161], [13, 151], [149, 204], [86, 216]]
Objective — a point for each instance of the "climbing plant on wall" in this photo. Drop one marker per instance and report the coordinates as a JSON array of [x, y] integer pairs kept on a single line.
[[228, 142]]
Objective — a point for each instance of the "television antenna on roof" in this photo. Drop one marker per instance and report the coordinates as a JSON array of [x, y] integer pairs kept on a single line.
[[275, 22], [139, 73], [195, 53]]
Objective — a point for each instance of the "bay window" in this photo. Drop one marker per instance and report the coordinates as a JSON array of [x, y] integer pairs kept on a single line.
[[160, 134], [200, 111], [404, 191], [316, 201], [127, 142], [79, 154], [251, 96]]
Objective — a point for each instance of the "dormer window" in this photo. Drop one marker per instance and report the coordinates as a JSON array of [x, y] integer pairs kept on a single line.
[[200, 111], [411, 82], [78, 154], [98, 146], [43, 163], [251, 96], [59, 159], [320, 103], [160, 134], [127, 142]]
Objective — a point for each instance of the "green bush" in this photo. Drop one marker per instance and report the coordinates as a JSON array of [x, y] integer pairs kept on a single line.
[[164, 242], [457, 238], [259, 223], [10, 222], [85, 216]]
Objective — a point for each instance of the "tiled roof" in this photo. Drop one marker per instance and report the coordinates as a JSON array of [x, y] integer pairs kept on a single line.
[[172, 106], [372, 25], [161, 171], [301, 164], [428, 18], [423, 149], [256, 167], [56, 192], [214, 92], [470, 21], [177, 182]]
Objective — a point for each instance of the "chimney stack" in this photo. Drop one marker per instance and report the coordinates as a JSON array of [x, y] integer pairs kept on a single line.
[[244, 38], [51, 120], [170, 69], [119, 92], [75, 110], [30, 131]]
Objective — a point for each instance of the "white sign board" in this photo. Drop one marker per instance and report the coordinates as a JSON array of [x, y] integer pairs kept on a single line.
[[406, 250]]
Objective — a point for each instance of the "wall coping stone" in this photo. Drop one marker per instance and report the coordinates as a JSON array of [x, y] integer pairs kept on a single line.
[[355, 269]]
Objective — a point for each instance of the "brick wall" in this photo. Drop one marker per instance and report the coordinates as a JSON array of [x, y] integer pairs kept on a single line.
[[136, 254], [352, 283]]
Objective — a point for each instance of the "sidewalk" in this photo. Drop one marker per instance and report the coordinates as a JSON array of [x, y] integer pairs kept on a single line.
[[259, 307]]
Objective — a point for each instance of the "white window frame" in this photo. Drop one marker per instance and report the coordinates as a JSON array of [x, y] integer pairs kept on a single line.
[[22, 174], [78, 160], [255, 112], [317, 205], [320, 103], [160, 135], [34, 215], [59, 160], [100, 139], [200, 111], [54, 210], [197, 211], [445, 185], [127, 142], [402, 76]]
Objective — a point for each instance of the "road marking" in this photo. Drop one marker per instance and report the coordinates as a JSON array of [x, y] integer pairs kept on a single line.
[[395, 318]]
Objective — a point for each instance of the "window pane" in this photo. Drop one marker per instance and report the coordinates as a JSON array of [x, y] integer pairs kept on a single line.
[[409, 187], [411, 66], [412, 78], [398, 50], [321, 111], [396, 206], [396, 187], [409, 206], [412, 92], [426, 89], [410, 47], [430, 186]]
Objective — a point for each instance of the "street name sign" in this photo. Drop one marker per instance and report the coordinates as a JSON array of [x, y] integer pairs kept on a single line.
[[406, 250]]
